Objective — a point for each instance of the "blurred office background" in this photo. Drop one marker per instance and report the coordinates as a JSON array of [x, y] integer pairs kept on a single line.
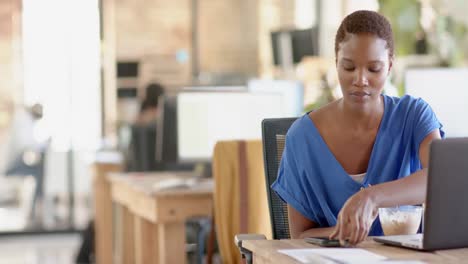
[[74, 74]]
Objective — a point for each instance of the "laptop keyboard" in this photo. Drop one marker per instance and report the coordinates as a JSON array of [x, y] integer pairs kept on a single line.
[[412, 241], [406, 238]]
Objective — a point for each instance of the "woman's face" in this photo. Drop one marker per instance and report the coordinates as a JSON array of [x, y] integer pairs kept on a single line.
[[363, 64]]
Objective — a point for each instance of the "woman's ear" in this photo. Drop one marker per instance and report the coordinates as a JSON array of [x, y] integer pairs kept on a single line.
[[390, 65]]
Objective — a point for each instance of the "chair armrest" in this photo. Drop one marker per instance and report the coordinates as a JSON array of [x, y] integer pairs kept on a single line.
[[241, 237], [245, 253]]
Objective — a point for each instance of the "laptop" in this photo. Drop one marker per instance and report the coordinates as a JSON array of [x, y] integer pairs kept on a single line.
[[446, 213]]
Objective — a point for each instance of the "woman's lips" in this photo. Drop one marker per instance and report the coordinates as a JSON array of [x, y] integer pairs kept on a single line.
[[360, 94], [360, 97]]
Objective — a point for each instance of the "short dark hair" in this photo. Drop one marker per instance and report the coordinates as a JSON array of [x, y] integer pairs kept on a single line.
[[152, 93], [365, 21]]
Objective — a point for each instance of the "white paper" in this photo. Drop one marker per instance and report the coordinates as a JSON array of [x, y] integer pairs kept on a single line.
[[402, 261], [333, 255]]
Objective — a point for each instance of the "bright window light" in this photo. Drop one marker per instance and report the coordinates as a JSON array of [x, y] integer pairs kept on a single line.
[[61, 46], [305, 13]]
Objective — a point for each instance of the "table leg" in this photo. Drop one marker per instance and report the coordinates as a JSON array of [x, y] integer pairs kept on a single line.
[[117, 227], [103, 211], [128, 253], [103, 223], [171, 242], [146, 247]]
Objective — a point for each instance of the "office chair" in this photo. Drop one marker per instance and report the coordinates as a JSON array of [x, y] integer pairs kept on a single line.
[[273, 137], [142, 149], [240, 199]]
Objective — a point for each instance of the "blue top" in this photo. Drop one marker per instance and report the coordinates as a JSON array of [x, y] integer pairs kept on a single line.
[[314, 183]]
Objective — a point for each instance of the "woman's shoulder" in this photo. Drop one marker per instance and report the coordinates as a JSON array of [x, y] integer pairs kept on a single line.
[[405, 100], [323, 114], [298, 126], [405, 103], [308, 123]]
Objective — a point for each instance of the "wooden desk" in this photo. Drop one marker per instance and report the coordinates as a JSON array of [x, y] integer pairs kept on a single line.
[[103, 208], [153, 222], [266, 251]]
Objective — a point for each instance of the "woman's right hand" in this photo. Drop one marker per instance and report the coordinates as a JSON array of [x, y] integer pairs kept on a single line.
[[355, 218]]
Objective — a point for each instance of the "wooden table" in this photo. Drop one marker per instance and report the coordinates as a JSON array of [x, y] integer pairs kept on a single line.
[[266, 251], [153, 222], [103, 229]]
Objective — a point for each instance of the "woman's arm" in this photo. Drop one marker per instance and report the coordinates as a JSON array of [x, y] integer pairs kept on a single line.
[[408, 190], [358, 213], [301, 227]]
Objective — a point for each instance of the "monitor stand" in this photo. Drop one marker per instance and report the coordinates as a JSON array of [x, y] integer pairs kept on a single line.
[[202, 169]]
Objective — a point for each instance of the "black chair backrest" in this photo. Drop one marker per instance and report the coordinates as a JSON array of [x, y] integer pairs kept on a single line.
[[142, 148], [166, 130], [273, 136]]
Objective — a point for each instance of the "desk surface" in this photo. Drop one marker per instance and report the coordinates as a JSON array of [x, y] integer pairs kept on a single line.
[[266, 251], [144, 182], [136, 191]]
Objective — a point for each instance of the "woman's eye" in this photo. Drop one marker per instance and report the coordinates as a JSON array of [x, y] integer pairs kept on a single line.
[[348, 68], [375, 69]]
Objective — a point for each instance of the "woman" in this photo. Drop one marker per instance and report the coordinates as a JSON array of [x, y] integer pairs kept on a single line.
[[361, 152], [149, 106]]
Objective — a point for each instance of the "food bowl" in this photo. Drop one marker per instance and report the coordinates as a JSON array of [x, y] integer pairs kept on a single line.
[[401, 220]]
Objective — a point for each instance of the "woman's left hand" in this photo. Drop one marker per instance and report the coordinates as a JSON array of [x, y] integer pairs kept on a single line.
[[355, 218]]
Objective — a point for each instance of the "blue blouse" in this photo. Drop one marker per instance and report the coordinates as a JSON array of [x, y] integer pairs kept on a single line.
[[313, 182]]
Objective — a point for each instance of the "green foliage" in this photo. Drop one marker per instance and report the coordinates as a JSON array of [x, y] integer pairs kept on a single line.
[[325, 97], [404, 16]]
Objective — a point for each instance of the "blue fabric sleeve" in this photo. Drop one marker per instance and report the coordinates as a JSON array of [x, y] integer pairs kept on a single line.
[[425, 122], [288, 184]]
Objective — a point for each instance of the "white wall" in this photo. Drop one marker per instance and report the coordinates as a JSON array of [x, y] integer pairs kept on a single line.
[[446, 91]]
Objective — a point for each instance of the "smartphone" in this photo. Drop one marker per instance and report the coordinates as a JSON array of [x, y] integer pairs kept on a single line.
[[323, 241]]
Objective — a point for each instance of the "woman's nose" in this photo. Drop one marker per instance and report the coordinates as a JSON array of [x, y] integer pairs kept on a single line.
[[360, 78]]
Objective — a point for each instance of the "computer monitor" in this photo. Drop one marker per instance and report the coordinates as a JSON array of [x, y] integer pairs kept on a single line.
[[446, 91], [296, 42], [215, 88], [127, 69], [205, 118], [291, 91], [154, 145]]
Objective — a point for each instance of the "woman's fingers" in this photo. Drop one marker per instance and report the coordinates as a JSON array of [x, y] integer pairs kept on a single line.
[[356, 229], [335, 232], [342, 231], [364, 234], [346, 230], [354, 220]]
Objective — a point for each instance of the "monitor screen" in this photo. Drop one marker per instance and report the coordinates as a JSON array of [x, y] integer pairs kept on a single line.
[[291, 91], [302, 42], [127, 92], [205, 118], [215, 88], [446, 91], [127, 69]]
